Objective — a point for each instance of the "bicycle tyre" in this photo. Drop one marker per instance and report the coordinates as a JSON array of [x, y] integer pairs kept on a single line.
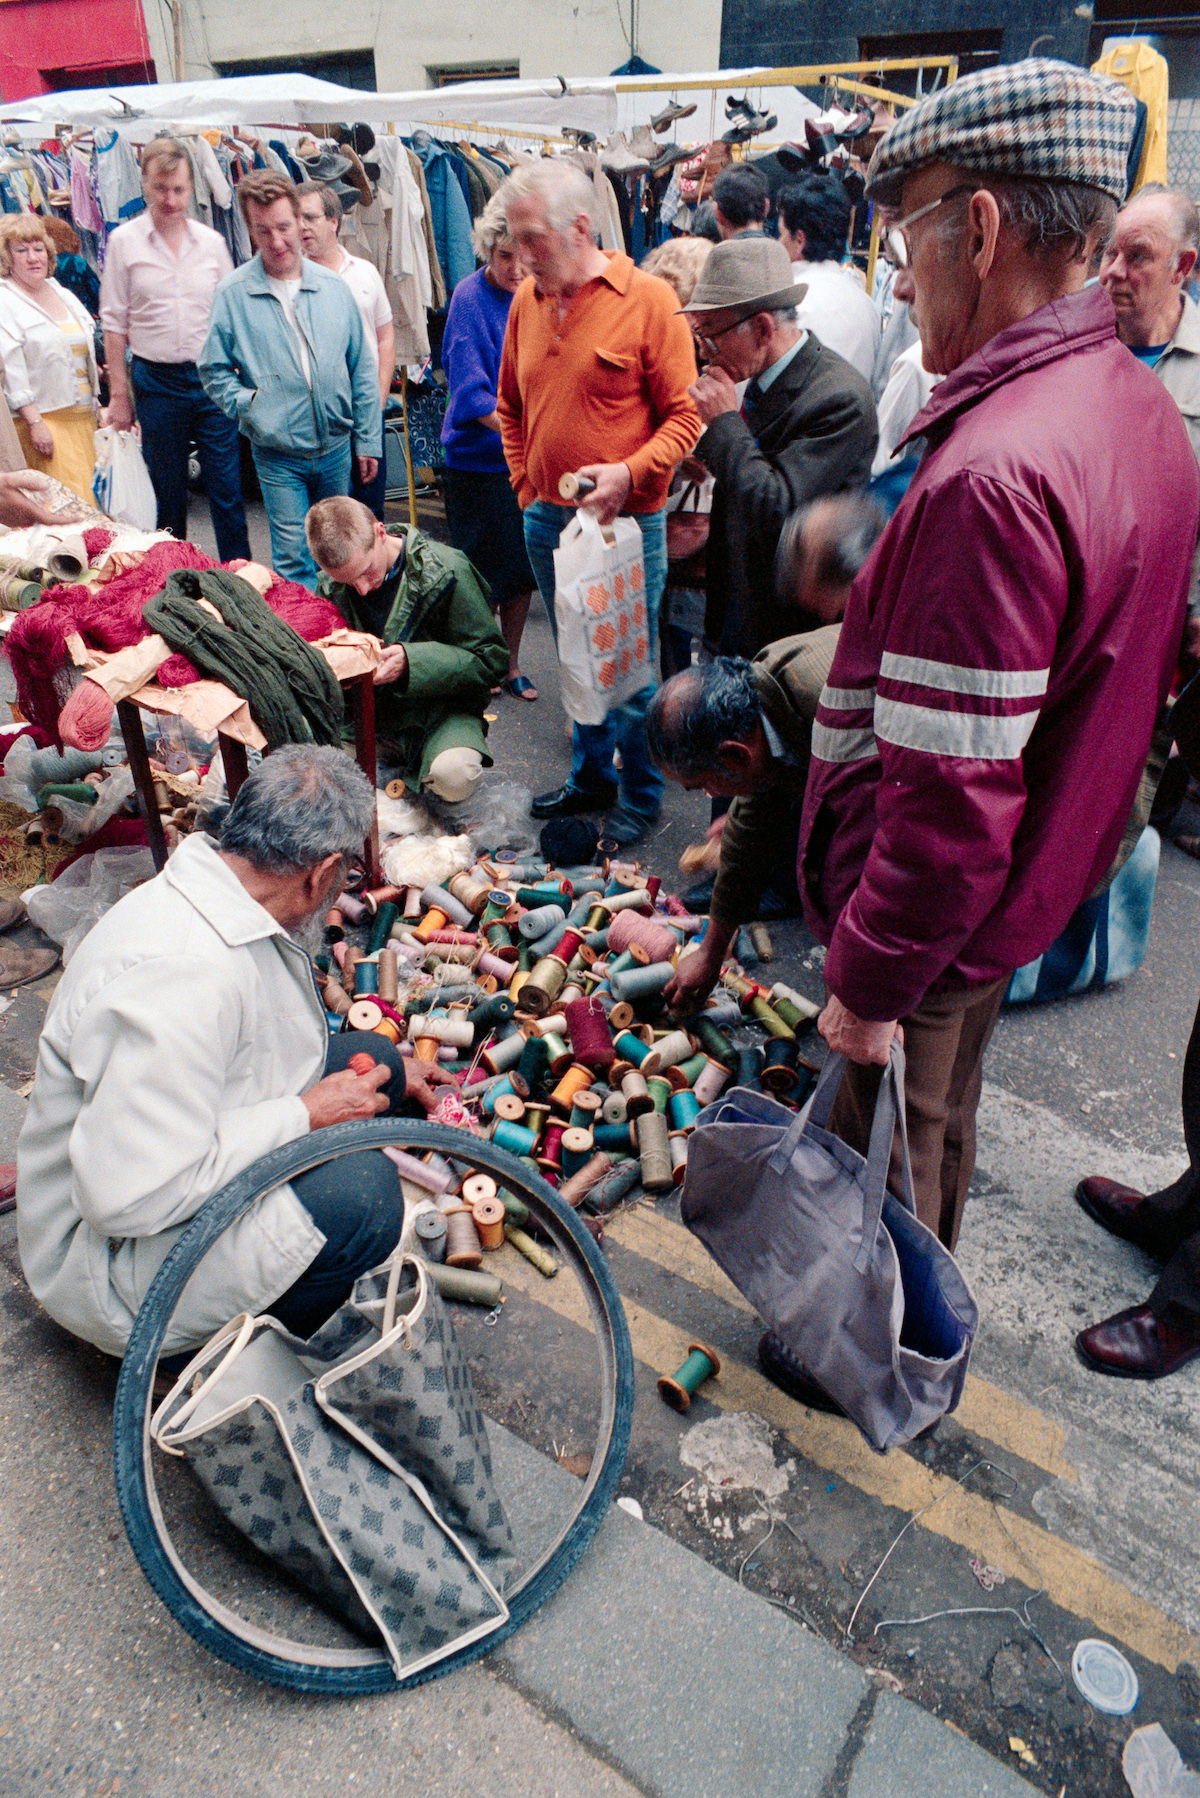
[[354, 1671]]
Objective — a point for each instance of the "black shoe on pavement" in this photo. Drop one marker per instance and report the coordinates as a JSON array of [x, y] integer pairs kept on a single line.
[[783, 1370], [1123, 1212], [567, 800]]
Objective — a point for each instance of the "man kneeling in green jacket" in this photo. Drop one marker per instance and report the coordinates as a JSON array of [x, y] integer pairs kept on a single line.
[[442, 651]]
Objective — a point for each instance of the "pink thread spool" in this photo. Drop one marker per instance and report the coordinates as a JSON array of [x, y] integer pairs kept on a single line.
[[709, 1082], [630, 930], [591, 1038], [352, 908]]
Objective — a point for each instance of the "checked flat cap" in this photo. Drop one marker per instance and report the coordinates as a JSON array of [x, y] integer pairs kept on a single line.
[[1039, 118]]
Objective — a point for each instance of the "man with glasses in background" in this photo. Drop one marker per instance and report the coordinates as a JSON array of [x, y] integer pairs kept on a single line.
[[1008, 644], [805, 427]]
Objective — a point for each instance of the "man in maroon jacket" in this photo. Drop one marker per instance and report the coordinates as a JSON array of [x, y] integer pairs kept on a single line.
[[1012, 636]]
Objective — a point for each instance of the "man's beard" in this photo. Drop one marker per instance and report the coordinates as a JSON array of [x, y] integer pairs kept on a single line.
[[310, 933]]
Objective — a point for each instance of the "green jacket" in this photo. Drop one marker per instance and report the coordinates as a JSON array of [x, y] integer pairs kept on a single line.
[[456, 655], [789, 675]]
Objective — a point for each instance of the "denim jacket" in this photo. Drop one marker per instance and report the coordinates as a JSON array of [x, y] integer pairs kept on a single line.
[[250, 364]]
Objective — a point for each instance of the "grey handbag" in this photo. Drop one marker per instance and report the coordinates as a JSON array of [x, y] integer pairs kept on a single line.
[[358, 1460], [868, 1300]]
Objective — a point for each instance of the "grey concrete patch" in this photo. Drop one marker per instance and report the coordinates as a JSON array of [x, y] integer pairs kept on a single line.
[[12, 1116], [908, 1754], [693, 1686]]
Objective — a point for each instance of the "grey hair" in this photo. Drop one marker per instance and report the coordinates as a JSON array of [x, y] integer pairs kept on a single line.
[[563, 189], [693, 713], [1052, 218], [490, 228], [299, 805], [331, 205], [1184, 216]]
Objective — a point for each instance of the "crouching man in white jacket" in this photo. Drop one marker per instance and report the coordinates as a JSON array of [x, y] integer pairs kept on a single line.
[[186, 1039]]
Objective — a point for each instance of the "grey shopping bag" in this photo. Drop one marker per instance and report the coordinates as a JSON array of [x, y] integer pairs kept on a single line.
[[868, 1300], [358, 1460]]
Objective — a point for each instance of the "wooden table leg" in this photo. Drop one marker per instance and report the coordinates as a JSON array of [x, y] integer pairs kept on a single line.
[[233, 759], [364, 755], [143, 779]]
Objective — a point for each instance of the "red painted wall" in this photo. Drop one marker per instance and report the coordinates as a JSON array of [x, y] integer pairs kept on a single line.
[[46, 45]]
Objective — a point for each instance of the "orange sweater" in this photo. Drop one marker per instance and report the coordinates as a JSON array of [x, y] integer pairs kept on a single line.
[[609, 385]]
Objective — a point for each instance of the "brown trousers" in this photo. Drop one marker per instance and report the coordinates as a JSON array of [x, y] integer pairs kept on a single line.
[[944, 1043]]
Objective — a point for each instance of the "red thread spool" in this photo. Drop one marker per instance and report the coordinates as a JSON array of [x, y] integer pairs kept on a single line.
[[591, 1038], [552, 1147], [567, 947], [629, 929], [652, 885], [361, 1064]]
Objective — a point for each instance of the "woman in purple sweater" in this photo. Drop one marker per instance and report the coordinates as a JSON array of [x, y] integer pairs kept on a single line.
[[481, 508]]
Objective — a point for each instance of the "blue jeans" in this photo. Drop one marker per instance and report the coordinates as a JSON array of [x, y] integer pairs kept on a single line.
[[592, 745], [174, 411], [291, 483]]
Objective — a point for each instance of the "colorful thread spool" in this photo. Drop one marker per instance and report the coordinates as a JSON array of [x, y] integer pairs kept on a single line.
[[654, 1152], [576, 1080], [537, 922], [537, 1116], [711, 1082], [352, 907], [560, 1054], [467, 1285], [503, 1056], [764, 1013], [533, 1252], [430, 1232], [660, 1091], [631, 1048], [568, 946], [749, 1066], [381, 929], [682, 1110], [349, 966], [636, 1094], [337, 999], [543, 986], [778, 1076], [491, 1013], [614, 1109], [463, 1247], [551, 1155], [456, 912], [641, 983], [714, 1041], [591, 1037], [469, 892], [585, 1109], [534, 1065], [389, 976], [678, 1145], [488, 1213], [509, 1107], [678, 1388], [633, 899], [613, 1188], [614, 1139], [667, 1052], [574, 1190], [435, 919], [420, 1173], [760, 938], [518, 1139], [364, 1014], [630, 930], [577, 1149], [693, 1067], [620, 1017]]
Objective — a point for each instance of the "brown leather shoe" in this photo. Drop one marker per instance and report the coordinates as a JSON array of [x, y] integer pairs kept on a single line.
[[1123, 1212], [11, 912], [18, 966], [1137, 1345]]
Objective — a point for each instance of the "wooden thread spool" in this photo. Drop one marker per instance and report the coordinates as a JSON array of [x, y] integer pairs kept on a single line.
[[543, 986], [634, 899], [765, 1014], [498, 967], [630, 930], [749, 1066], [488, 1214], [463, 1247], [591, 1037], [575, 486], [636, 1094], [364, 1014], [533, 1252], [585, 1109], [683, 1108], [335, 926], [471, 893], [387, 915], [537, 1116], [352, 907], [509, 1107], [654, 1151], [496, 1010], [675, 1047], [454, 935], [614, 1139], [389, 1030], [702, 1364], [576, 1080], [534, 1065], [353, 957], [678, 1145], [693, 1067], [518, 1139], [336, 997], [760, 938], [714, 1041], [476, 1187], [504, 1055], [434, 919], [578, 1146], [573, 1190], [551, 1155], [660, 1091], [456, 912], [553, 1024], [420, 1173], [612, 1188], [641, 983], [560, 1055], [778, 1076], [569, 945], [389, 975], [615, 1110], [621, 1016], [430, 1232], [366, 978], [467, 1285], [631, 1048], [425, 1048], [537, 922], [412, 902]]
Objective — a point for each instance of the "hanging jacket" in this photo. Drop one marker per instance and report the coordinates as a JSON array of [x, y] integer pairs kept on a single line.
[[450, 213], [250, 365], [1004, 653]]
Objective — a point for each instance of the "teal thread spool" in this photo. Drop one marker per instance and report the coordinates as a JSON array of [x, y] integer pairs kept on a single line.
[[537, 922], [366, 978], [559, 1052], [677, 1389], [516, 1211], [586, 1109], [749, 1066], [494, 1011], [503, 1085], [693, 1068], [547, 892], [613, 1138], [715, 1041], [660, 1089], [682, 1110], [518, 1139], [631, 1048], [615, 1187], [577, 1150], [622, 962], [641, 983], [534, 1065], [381, 929]]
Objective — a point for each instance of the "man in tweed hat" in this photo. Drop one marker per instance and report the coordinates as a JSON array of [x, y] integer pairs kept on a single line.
[[1012, 636]]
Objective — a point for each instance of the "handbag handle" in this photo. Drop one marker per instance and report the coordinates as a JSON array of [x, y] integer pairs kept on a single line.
[[591, 525], [388, 1320], [233, 1339]]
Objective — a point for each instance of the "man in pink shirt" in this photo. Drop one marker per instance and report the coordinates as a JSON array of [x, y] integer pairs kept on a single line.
[[156, 294]]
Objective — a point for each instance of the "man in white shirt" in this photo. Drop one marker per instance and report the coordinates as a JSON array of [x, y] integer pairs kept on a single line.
[[814, 224], [160, 274], [320, 219]]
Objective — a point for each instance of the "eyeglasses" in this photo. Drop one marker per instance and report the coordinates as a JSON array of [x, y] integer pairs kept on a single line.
[[711, 337], [896, 241]]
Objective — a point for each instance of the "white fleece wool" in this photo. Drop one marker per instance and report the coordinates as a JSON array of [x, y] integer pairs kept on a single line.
[[426, 861]]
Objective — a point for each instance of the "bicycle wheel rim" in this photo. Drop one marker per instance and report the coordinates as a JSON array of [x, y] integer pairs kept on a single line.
[[350, 1671]]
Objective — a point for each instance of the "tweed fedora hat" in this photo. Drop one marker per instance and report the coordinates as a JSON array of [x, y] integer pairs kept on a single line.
[[1039, 118], [745, 275]]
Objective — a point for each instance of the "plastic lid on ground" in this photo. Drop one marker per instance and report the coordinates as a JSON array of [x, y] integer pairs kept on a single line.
[[1104, 1677]]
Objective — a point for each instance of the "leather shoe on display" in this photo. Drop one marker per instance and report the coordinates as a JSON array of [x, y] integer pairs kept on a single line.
[[1123, 1212], [19, 966], [1137, 1345], [11, 912], [672, 111], [567, 800], [783, 1370]]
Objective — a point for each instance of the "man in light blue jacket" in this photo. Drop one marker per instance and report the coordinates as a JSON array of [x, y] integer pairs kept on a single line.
[[286, 357]]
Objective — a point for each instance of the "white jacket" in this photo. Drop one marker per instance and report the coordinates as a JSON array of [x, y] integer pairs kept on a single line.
[[173, 1054], [39, 363]]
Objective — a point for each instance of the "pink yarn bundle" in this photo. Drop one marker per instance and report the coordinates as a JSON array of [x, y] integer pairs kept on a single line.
[[630, 928], [86, 720]]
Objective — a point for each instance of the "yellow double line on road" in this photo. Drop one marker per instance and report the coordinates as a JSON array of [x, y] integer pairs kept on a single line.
[[1020, 1548]]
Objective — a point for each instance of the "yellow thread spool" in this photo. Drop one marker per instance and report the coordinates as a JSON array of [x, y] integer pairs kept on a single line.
[[577, 1079], [532, 1251], [425, 1048], [433, 920], [389, 1029]]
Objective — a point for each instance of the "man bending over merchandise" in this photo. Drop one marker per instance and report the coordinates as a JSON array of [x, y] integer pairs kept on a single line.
[[443, 654], [185, 1040]]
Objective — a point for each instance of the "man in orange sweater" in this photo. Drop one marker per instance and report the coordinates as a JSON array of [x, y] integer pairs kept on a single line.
[[593, 381]]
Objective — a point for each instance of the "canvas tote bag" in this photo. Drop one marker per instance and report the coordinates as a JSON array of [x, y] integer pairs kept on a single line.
[[604, 650], [867, 1299]]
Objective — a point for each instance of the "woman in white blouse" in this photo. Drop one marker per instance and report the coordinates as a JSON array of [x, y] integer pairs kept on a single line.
[[47, 347]]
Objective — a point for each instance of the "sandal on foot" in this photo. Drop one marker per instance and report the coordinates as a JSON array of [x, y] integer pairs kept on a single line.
[[521, 687]]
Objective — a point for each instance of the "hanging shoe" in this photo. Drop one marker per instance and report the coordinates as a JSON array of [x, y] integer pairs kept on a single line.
[[672, 111], [734, 106], [668, 156], [617, 158]]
